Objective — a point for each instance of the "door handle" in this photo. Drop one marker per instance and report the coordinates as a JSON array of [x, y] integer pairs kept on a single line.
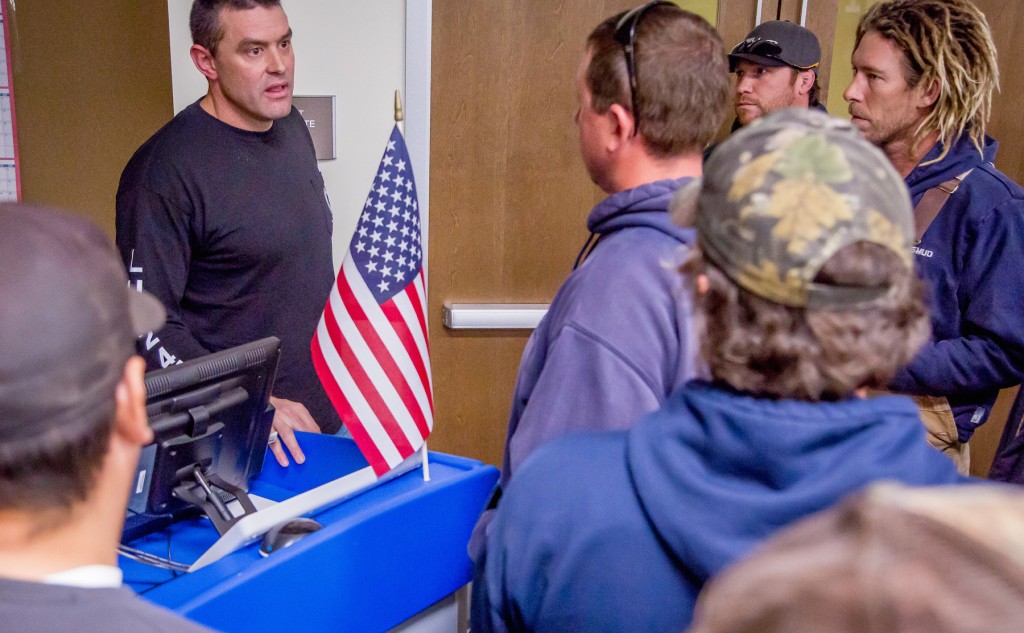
[[493, 316]]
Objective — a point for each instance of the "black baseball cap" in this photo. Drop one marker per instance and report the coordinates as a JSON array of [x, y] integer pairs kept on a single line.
[[778, 43], [68, 323]]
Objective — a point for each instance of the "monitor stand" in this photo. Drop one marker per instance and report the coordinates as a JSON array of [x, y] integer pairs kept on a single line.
[[223, 503], [254, 525], [206, 492]]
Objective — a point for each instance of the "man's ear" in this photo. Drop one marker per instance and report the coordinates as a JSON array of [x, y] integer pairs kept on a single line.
[[929, 94], [805, 81], [204, 61], [130, 421], [621, 122]]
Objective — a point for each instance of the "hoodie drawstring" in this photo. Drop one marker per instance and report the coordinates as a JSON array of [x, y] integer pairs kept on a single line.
[[587, 249]]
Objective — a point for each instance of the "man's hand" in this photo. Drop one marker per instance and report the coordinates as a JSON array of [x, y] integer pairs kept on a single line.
[[290, 416]]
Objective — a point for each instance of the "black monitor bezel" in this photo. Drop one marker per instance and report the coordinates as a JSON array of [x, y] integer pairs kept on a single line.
[[231, 452]]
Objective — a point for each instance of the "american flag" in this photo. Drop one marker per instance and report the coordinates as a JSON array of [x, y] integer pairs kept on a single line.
[[370, 349]]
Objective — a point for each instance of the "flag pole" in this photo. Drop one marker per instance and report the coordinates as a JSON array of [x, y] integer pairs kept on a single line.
[[400, 123], [399, 113]]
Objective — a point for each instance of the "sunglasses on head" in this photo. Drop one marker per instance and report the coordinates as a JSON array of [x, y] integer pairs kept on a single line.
[[757, 46], [625, 34]]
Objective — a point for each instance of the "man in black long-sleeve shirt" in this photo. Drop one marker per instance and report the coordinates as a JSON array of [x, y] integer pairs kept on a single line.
[[223, 214]]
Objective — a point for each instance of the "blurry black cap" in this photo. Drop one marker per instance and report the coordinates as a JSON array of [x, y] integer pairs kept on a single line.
[[778, 43], [68, 322]]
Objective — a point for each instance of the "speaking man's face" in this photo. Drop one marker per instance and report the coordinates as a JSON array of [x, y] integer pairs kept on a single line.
[[255, 67]]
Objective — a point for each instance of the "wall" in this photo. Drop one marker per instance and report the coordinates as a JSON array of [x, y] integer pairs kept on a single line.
[[91, 83], [353, 50]]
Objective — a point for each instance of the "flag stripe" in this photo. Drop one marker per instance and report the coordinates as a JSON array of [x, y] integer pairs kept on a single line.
[[363, 409], [418, 294], [362, 367], [415, 314], [386, 377], [381, 455], [394, 311], [386, 323]]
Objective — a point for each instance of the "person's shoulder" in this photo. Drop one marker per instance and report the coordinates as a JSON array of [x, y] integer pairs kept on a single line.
[[173, 142], [630, 278], [135, 614], [92, 608], [571, 516], [634, 261], [184, 125], [568, 477], [990, 199], [1001, 185]]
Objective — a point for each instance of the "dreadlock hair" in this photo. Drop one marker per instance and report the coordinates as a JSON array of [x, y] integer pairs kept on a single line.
[[948, 42]]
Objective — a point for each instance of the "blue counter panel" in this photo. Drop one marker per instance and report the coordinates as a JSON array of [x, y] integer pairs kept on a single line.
[[383, 555]]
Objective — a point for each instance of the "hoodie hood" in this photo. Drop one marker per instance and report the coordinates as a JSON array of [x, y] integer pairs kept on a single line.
[[717, 471], [962, 156], [640, 206]]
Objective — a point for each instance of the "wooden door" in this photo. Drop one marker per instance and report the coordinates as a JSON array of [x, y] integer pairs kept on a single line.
[[91, 83], [509, 194], [1006, 20]]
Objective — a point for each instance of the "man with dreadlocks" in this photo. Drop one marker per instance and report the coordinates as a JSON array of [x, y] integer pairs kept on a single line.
[[923, 76]]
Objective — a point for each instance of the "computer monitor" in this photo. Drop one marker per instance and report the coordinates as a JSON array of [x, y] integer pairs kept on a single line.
[[211, 420]]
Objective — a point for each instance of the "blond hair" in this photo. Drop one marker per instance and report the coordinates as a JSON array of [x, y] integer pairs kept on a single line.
[[947, 42]]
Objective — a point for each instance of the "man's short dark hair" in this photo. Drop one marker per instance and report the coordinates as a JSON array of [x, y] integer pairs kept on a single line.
[[55, 471], [683, 82], [204, 19], [813, 354], [814, 96]]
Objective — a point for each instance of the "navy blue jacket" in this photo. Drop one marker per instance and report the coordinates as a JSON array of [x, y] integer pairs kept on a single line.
[[618, 531], [972, 257]]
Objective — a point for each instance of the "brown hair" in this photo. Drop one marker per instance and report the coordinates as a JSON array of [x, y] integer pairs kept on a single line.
[[814, 96], [204, 19], [683, 80], [947, 42], [770, 349], [55, 470]]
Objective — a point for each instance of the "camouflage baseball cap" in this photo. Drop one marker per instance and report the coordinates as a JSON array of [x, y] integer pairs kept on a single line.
[[784, 194]]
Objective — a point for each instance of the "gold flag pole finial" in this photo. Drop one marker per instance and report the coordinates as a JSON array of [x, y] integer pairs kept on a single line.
[[399, 112]]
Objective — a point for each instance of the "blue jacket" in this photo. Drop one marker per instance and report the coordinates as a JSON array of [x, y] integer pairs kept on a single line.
[[972, 257], [619, 531], [613, 344]]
